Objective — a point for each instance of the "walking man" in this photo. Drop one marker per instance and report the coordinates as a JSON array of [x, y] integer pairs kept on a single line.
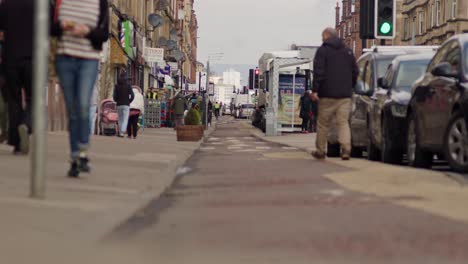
[[179, 105], [123, 96], [335, 75]]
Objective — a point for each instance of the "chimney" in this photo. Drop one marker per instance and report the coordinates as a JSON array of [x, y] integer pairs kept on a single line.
[[345, 10], [337, 8]]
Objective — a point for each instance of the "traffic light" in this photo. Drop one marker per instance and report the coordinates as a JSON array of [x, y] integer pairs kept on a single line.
[[366, 19], [251, 78], [385, 19], [256, 79]]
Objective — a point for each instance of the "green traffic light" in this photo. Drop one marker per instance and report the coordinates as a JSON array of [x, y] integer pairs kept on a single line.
[[385, 28]]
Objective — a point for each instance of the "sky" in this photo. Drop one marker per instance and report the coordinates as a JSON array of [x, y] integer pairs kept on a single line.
[[245, 29]]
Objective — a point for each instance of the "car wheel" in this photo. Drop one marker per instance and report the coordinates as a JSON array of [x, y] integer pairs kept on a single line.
[[372, 152], [389, 153], [333, 150], [417, 157], [456, 144]]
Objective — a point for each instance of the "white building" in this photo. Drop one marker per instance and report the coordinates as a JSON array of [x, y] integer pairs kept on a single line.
[[232, 77]]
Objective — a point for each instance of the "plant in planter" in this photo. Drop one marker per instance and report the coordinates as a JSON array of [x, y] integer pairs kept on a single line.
[[192, 130]]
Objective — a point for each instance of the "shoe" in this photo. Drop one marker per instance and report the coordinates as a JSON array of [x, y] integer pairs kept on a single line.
[[74, 172], [120, 135], [83, 165], [345, 156], [24, 139], [318, 155]]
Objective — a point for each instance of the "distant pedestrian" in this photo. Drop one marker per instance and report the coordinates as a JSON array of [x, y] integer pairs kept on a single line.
[[306, 111], [16, 21], [210, 112], [137, 108], [217, 107], [179, 105], [335, 75], [3, 105], [123, 96], [81, 27]]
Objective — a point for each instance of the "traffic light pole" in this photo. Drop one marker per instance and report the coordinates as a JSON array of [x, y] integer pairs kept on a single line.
[[41, 51]]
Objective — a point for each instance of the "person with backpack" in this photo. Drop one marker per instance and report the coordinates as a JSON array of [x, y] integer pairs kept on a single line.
[[137, 108]]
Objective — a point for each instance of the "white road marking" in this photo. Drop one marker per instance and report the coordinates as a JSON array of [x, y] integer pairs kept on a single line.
[[265, 148], [207, 148], [248, 150], [213, 139], [289, 148], [335, 192]]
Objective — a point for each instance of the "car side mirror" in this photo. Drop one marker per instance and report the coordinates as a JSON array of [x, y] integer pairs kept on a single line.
[[362, 89], [444, 69], [383, 83]]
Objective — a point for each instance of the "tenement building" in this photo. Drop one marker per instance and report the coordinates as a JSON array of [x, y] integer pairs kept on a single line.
[[431, 22]]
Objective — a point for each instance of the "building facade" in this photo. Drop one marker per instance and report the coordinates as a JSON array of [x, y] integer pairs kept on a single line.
[[431, 22]]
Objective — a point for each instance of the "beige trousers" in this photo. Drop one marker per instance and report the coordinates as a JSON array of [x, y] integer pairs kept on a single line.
[[329, 108]]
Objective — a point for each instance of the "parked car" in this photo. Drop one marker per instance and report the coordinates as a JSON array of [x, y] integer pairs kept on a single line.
[[388, 106], [372, 66], [245, 111], [437, 115]]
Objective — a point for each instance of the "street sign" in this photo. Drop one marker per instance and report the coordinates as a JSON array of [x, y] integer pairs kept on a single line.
[[174, 66], [154, 55]]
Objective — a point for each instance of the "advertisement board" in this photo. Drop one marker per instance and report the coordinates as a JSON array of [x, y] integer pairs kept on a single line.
[[291, 88]]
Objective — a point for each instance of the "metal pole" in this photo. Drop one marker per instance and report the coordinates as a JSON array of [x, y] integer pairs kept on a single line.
[[41, 50], [207, 94], [293, 104]]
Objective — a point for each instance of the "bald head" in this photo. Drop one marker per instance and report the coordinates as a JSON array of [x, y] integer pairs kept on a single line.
[[329, 33]]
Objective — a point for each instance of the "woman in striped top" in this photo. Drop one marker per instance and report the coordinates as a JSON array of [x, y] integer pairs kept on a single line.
[[82, 27]]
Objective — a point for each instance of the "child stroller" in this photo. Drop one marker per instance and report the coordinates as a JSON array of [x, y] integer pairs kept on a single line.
[[108, 118]]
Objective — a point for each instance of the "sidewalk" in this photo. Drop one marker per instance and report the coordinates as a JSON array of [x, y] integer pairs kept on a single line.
[[77, 213], [439, 192]]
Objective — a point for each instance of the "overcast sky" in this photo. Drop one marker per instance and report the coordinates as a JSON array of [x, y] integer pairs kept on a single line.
[[244, 29]]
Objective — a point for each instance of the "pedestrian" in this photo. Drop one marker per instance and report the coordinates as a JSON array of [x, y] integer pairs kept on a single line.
[[17, 23], [179, 105], [93, 109], [137, 108], [81, 27], [305, 111], [210, 112], [216, 109], [123, 96], [335, 75], [313, 115]]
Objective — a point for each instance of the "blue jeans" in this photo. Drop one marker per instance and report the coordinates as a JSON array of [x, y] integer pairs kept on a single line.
[[77, 78], [124, 112], [92, 119]]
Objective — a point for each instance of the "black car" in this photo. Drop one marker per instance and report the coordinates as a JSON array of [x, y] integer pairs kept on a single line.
[[387, 115], [438, 111], [372, 66]]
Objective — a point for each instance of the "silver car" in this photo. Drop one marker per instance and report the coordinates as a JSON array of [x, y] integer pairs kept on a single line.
[[245, 111]]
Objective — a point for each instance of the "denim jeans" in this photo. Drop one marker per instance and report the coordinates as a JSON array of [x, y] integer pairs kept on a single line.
[[124, 112], [77, 78], [92, 119]]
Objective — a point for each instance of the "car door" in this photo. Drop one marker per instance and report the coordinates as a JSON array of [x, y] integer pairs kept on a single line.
[[446, 91], [381, 95], [439, 102], [425, 100], [359, 109]]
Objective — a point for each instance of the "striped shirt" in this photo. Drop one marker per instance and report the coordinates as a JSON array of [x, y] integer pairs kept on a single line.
[[81, 12]]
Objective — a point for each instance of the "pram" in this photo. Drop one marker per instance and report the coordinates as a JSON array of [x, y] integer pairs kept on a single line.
[[108, 118]]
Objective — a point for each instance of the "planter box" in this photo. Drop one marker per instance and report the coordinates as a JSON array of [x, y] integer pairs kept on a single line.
[[189, 133]]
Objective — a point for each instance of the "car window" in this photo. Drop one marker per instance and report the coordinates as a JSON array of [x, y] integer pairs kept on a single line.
[[438, 57], [389, 75], [247, 106], [362, 67], [382, 66], [368, 81], [454, 56], [409, 72]]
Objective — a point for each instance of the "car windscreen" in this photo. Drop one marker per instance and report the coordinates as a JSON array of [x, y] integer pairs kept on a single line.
[[409, 72], [247, 106], [382, 66]]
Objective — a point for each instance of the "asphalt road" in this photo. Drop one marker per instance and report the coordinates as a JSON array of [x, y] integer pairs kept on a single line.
[[241, 200]]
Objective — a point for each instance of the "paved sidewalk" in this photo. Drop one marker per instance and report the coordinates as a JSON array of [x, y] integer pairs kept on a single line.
[[78, 213], [440, 192]]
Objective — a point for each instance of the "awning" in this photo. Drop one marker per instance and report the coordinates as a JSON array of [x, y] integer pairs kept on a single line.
[[118, 55]]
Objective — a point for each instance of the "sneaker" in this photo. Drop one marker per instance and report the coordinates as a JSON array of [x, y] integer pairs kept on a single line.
[[83, 165], [74, 172], [318, 155], [345, 156], [24, 139]]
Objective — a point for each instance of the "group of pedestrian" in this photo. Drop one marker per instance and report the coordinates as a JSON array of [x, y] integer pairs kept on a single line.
[[308, 113]]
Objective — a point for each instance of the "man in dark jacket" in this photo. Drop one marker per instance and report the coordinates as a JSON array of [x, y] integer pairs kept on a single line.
[[123, 96], [16, 21], [306, 111], [335, 75], [179, 105]]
